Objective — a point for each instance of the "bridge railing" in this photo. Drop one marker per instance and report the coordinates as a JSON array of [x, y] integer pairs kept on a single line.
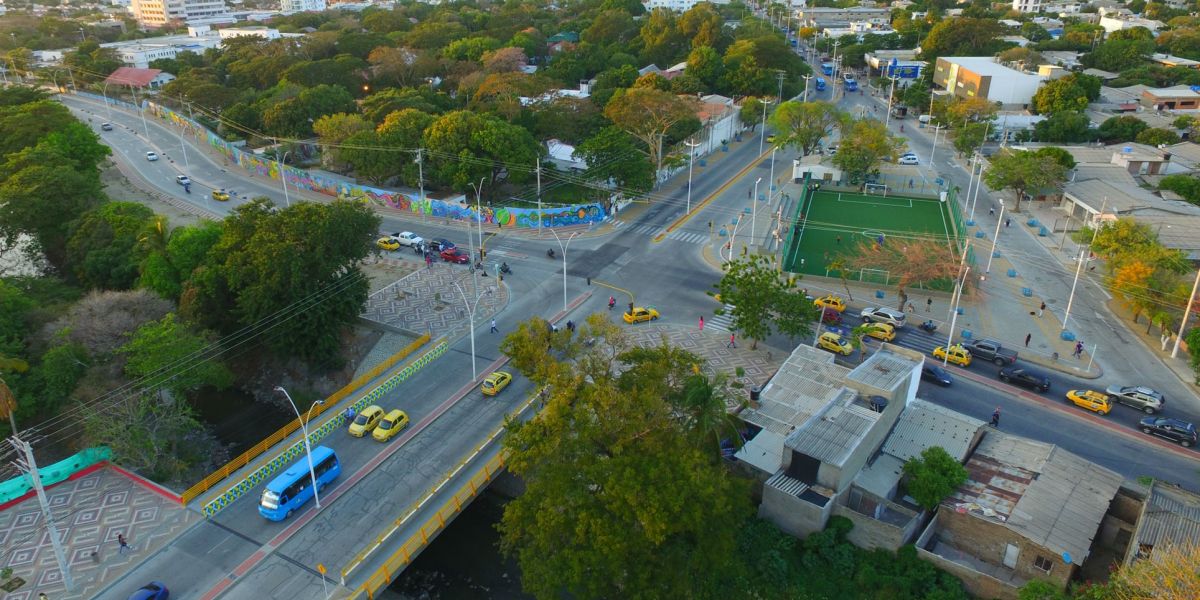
[[411, 547], [270, 441]]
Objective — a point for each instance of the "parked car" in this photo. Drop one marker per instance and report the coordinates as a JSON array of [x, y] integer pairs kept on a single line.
[[183, 180], [909, 159], [1171, 429], [1142, 398], [495, 383], [1092, 400], [407, 238], [387, 243], [1025, 378], [155, 590], [106, 126], [830, 316], [936, 374], [956, 354], [366, 421], [455, 255], [439, 244], [890, 316], [151, 156], [833, 342], [392, 424]]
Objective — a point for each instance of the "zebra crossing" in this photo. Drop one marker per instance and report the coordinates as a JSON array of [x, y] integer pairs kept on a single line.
[[686, 237], [721, 322], [910, 336]]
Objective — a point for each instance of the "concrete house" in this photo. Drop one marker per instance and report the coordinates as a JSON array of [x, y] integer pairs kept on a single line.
[[1028, 510]]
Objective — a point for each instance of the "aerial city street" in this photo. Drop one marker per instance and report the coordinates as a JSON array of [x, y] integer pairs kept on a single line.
[[706, 299]]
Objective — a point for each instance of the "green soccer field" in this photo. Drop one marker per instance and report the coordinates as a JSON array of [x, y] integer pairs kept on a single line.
[[827, 223]]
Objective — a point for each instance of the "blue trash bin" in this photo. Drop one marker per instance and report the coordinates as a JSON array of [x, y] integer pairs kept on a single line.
[[879, 294], [1012, 272], [966, 334], [1032, 222], [979, 234], [1067, 335], [1026, 292], [1043, 232], [970, 222]]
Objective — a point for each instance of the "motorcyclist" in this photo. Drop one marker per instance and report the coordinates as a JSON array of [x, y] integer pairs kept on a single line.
[[504, 267], [550, 253], [611, 302]]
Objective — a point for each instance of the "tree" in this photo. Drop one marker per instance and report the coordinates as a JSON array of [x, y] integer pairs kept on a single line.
[[1118, 55], [1023, 173], [1072, 92], [763, 300], [1024, 55], [962, 36], [610, 27], [1064, 127], [662, 42], [1058, 155], [648, 114], [1186, 186], [971, 110], [400, 66], [465, 146], [802, 125], [379, 105], [332, 130], [1169, 573], [267, 261], [751, 112], [907, 262], [103, 251], [158, 435], [865, 145], [970, 136], [102, 321], [1122, 128], [1156, 136], [160, 346], [613, 155], [933, 477], [41, 194], [505, 60], [605, 464], [169, 264], [471, 48], [706, 65]]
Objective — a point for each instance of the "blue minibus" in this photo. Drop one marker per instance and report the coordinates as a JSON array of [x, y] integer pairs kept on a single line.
[[289, 491], [820, 84], [827, 68]]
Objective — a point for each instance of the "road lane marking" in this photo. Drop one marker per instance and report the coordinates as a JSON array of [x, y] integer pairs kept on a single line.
[[703, 203]]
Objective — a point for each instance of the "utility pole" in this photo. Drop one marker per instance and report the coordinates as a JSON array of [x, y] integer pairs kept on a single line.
[[421, 177], [29, 466], [888, 119], [538, 170], [691, 159], [780, 76], [807, 78]]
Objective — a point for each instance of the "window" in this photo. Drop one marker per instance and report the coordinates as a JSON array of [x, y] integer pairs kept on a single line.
[[1043, 563]]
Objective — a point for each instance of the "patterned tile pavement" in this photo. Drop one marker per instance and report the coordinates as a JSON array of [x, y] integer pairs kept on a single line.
[[758, 365], [426, 300], [90, 512]]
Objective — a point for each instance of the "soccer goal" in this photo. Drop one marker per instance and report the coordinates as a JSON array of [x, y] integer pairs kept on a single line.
[[879, 276]]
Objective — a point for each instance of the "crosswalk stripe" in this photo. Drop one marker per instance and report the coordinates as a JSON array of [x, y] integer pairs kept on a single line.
[[721, 322]]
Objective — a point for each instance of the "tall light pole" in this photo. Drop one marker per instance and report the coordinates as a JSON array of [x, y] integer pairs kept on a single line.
[[28, 465], [282, 177], [304, 428], [995, 236], [1079, 267], [183, 148], [471, 315], [888, 118], [806, 80], [107, 104], [762, 137], [933, 152], [479, 214], [771, 181], [691, 159], [753, 210], [954, 315], [141, 111], [563, 247]]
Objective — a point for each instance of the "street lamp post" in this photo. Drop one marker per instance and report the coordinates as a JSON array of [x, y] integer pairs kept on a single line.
[[762, 137], [304, 428], [691, 159], [954, 315], [888, 118], [282, 176], [933, 152], [107, 104], [471, 315], [563, 247], [141, 111], [992, 254], [806, 80], [479, 214], [754, 206]]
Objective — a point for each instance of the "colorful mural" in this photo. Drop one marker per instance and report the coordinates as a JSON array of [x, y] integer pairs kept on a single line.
[[266, 166]]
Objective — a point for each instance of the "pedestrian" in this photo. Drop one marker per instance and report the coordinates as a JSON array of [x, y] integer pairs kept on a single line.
[[349, 414], [996, 417], [929, 305], [494, 330], [1079, 349], [1007, 221], [122, 545], [701, 322], [839, 240], [991, 211], [1028, 336], [95, 557], [910, 183], [571, 326], [911, 308], [731, 343], [1041, 309]]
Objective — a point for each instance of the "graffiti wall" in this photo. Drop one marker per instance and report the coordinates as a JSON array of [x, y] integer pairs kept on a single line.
[[457, 209]]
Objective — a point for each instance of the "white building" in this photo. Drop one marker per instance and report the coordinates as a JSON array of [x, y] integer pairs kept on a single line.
[[1117, 23], [1028, 6], [678, 5], [157, 13], [140, 53], [563, 156], [983, 77], [859, 29], [295, 6]]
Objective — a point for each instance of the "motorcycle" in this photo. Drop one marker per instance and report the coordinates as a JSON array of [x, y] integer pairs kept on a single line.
[[505, 270], [550, 253], [928, 327]]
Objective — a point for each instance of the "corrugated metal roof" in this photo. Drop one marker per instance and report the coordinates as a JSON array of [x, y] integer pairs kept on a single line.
[[924, 425], [836, 433], [807, 382], [1049, 496], [787, 485], [884, 370], [1172, 516]]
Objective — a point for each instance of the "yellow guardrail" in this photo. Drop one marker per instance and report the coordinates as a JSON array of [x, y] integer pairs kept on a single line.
[[244, 459], [416, 542]]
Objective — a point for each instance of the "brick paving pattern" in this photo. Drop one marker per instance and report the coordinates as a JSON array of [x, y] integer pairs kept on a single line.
[[758, 365], [90, 512], [427, 301]]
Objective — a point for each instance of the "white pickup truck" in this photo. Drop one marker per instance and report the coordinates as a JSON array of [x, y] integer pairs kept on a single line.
[[407, 238]]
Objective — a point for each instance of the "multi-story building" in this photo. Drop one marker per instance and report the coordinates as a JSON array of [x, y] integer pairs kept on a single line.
[[822, 17], [1028, 6], [677, 5], [983, 77], [157, 13], [295, 6]]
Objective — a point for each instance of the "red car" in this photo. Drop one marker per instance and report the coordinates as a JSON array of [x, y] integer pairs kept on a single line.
[[455, 255], [830, 316]]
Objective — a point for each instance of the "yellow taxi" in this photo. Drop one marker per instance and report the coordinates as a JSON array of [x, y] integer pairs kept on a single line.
[[833, 342], [387, 243], [831, 301], [366, 421], [640, 314], [392, 424], [771, 139], [1092, 400], [957, 355], [495, 383], [881, 331], [220, 195]]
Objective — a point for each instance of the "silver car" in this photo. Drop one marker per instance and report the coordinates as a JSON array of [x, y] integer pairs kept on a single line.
[[890, 316], [1142, 398]]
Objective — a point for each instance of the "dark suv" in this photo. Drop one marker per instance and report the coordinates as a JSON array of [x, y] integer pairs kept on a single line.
[[1171, 429], [1025, 378]]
